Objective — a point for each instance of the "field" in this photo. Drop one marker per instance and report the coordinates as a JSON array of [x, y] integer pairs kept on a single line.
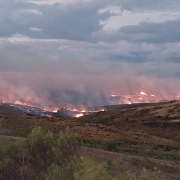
[[144, 136]]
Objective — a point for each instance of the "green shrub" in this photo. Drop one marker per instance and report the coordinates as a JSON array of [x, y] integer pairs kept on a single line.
[[110, 145], [30, 158], [45, 155], [89, 169]]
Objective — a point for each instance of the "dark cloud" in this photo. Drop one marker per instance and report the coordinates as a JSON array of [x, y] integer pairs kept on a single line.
[[132, 56], [161, 32], [81, 21], [74, 21]]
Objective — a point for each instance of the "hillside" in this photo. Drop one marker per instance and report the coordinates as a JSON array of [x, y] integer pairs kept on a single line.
[[6, 111], [161, 119], [148, 135]]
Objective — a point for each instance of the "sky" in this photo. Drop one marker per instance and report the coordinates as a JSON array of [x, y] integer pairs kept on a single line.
[[67, 50]]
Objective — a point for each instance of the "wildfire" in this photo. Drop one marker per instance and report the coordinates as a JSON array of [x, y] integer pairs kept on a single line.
[[19, 102], [79, 115], [54, 110], [71, 109], [136, 98], [113, 95], [78, 111], [143, 93], [49, 115]]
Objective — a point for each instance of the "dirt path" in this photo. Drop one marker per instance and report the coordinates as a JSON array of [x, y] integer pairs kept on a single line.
[[107, 155], [11, 137], [102, 155]]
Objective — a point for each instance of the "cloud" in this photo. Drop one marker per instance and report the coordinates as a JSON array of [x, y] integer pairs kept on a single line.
[[21, 54], [81, 20], [81, 51], [125, 18], [140, 5], [161, 32], [75, 21]]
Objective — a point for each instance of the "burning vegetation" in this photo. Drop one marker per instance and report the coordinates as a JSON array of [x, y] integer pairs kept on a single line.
[[79, 110]]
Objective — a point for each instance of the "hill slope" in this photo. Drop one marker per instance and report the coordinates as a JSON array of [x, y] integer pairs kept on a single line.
[[5, 111], [148, 135]]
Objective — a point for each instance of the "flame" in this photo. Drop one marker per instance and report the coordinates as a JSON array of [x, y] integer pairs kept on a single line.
[[71, 109], [139, 97], [113, 95], [79, 115], [49, 115], [19, 102], [55, 110], [143, 93]]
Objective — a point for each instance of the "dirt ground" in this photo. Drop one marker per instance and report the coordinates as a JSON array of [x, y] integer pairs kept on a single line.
[[5, 111], [102, 155]]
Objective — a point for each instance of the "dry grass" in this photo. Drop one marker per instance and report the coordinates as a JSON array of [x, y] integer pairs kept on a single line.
[[145, 125], [151, 131]]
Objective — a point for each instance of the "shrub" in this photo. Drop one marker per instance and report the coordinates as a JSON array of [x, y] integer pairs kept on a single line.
[[30, 158], [110, 145], [45, 155]]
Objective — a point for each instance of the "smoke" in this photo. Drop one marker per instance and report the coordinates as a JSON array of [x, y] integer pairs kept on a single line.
[[14, 93], [62, 73], [51, 90]]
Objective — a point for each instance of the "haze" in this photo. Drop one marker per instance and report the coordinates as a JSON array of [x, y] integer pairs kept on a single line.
[[64, 52]]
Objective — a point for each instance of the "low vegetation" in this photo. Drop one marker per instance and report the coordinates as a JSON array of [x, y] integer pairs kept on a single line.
[[43, 148], [51, 156]]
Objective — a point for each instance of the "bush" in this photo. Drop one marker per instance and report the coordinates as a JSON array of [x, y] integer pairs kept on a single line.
[[45, 155], [30, 158], [110, 145], [89, 169]]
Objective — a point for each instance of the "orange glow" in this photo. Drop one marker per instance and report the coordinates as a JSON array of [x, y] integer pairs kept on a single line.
[[71, 109], [19, 102], [113, 95], [136, 98], [140, 96], [143, 93], [79, 115], [49, 115], [55, 110]]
